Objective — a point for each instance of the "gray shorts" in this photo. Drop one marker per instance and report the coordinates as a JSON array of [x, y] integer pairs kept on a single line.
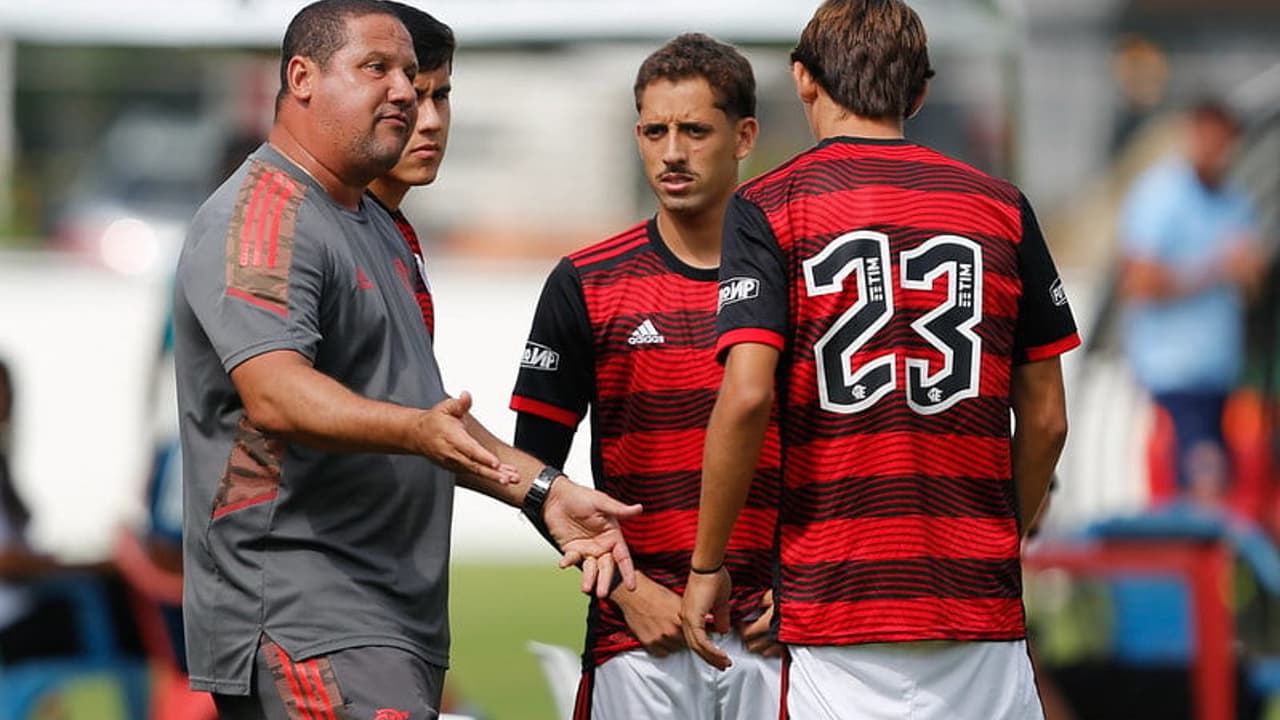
[[363, 683]]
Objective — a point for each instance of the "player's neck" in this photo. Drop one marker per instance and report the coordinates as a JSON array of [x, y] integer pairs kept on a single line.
[[694, 239], [286, 143], [389, 192], [828, 120]]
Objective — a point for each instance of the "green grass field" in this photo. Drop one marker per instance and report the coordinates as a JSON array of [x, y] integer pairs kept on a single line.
[[496, 610]]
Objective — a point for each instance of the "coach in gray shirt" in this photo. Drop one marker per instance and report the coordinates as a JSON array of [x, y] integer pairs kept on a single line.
[[320, 449]]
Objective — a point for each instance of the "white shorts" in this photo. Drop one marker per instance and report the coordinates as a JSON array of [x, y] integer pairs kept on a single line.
[[681, 686], [913, 681]]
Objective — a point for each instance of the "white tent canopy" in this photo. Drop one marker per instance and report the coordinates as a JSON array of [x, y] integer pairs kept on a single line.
[[261, 23]]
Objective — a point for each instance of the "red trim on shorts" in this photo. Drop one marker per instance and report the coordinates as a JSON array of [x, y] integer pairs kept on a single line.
[[545, 410], [247, 502], [1053, 349], [286, 667], [586, 688], [323, 703], [784, 685], [257, 301]]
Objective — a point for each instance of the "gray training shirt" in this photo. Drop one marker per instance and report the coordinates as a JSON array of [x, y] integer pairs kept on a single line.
[[319, 550]]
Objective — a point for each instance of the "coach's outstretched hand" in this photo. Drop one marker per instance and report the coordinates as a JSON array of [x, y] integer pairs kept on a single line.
[[586, 525], [706, 600], [446, 442]]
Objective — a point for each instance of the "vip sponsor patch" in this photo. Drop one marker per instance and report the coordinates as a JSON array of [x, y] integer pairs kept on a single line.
[[540, 357], [737, 289], [1057, 294]]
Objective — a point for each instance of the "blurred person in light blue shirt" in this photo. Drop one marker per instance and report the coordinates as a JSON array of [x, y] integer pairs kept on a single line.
[[1190, 258]]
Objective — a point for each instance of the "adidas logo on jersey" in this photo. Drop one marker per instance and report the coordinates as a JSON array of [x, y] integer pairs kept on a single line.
[[646, 334]]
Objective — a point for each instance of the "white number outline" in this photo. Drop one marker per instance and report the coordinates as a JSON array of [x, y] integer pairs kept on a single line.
[[920, 366], [836, 285]]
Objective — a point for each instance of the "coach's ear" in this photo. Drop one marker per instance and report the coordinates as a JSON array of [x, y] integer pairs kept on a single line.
[[300, 74]]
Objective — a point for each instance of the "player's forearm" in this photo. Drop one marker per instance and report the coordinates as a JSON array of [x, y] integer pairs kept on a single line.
[[525, 464], [735, 435], [1039, 406]]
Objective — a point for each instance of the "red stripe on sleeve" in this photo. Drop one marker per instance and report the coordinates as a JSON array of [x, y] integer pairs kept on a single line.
[[1053, 349], [546, 410], [247, 223], [254, 300], [247, 502], [749, 335], [273, 239]]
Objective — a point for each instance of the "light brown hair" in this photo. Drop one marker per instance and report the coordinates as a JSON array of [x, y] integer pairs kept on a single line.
[[870, 56]]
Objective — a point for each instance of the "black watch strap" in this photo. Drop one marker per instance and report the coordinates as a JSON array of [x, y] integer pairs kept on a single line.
[[536, 497]]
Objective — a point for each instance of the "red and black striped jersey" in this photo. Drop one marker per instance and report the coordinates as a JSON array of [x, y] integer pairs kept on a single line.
[[421, 289], [627, 330], [902, 287]]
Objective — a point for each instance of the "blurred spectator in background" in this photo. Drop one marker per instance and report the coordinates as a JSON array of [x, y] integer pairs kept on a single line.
[[1189, 257], [30, 627], [1141, 73]]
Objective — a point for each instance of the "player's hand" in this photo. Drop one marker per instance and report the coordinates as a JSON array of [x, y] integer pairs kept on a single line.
[[653, 614], [586, 524], [706, 600], [755, 634], [444, 440]]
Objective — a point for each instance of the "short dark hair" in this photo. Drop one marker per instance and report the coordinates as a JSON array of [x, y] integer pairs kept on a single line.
[[870, 56], [1214, 110], [695, 55], [433, 41], [319, 30]]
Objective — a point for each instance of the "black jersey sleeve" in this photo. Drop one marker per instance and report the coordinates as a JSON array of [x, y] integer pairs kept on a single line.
[[547, 440], [556, 378], [753, 303], [1046, 327]]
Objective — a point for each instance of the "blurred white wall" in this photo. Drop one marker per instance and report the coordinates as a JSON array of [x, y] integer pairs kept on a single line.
[[82, 341], [79, 342]]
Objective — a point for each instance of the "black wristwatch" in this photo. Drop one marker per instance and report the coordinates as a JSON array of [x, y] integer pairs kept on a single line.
[[537, 496]]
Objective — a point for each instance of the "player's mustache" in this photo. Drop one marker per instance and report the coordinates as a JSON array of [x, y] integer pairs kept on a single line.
[[680, 169]]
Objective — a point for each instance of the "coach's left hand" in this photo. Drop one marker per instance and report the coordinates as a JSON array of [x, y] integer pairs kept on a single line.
[[586, 525], [706, 600]]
